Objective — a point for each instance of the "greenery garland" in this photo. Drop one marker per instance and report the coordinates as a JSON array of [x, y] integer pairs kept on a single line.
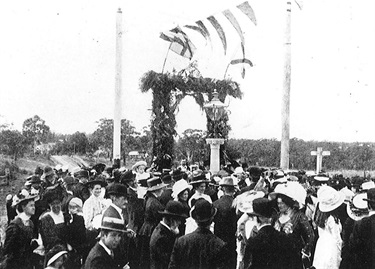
[[168, 90]]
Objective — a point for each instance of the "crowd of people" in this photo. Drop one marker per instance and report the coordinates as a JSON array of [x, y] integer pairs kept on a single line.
[[186, 217]]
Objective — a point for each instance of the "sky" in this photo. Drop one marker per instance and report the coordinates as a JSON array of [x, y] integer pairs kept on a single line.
[[57, 61]]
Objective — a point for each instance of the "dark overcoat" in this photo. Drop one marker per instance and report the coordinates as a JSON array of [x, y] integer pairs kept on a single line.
[[269, 249], [226, 225], [161, 245], [98, 258], [362, 242], [200, 249]]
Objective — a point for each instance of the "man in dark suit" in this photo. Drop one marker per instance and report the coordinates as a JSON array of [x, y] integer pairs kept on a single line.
[[362, 240], [201, 248], [268, 248], [226, 219], [102, 254], [165, 234]]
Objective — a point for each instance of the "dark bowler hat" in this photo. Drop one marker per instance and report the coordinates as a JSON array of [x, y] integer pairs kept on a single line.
[[82, 174], [262, 208], [34, 179], [117, 189], [370, 195], [92, 183], [198, 177], [69, 180], [154, 184], [48, 171], [203, 211], [177, 174], [99, 167], [167, 179], [127, 176], [174, 209]]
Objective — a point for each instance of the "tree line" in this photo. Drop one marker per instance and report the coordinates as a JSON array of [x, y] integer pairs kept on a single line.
[[190, 145]]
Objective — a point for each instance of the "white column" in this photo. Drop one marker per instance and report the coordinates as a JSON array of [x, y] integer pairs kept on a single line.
[[118, 91], [215, 153]]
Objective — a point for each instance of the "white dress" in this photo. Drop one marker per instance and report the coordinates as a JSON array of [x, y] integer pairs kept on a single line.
[[328, 247]]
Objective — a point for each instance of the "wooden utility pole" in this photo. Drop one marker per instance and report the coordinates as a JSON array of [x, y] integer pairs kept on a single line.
[[284, 154], [118, 93]]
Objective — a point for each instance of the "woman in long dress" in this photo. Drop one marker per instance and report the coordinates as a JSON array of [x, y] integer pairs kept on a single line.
[[328, 247], [18, 245], [290, 198]]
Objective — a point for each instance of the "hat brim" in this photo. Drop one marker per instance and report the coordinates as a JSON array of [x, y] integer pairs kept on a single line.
[[325, 208], [199, 182], [137, 164], [96, 182], [31, 197], [157, 187], [166, 213]]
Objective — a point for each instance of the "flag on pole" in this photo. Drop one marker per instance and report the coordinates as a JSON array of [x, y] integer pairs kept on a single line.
[[180, 43]]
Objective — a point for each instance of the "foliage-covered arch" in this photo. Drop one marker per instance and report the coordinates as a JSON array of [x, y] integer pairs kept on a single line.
[[168, 90]]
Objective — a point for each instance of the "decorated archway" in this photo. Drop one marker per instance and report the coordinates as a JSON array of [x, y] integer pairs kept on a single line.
[[168, 90]]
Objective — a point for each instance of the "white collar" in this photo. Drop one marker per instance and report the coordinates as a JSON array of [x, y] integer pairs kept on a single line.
[[105, 248], [23, 216], [119, 210], [163, 223], [263, 225]]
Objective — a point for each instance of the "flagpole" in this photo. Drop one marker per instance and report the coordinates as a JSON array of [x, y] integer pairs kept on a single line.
[[118, 93], [166, 56], [285, 106]]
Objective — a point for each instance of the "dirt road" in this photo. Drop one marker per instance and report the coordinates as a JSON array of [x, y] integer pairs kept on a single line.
[[73, 162]]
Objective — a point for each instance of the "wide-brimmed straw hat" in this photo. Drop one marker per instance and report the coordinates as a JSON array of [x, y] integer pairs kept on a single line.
[[245, 200], [139, 163], [174, 209], [111, 221], [329, 199], [202, 211], [357, 209], [227, 181], [179, 187], [54, 253], [293, 190]]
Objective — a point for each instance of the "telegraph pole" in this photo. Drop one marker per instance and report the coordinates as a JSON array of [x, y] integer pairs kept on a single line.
[[118, 93], [285, 106]]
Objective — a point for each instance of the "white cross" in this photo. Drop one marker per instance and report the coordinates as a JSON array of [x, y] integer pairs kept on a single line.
[[319, 158]]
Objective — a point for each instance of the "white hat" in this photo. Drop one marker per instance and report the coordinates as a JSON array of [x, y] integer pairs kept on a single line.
[[329, 199], [347, 193], [180, 186], [368, 185], [238, 170], [245, 200], [139, 163], [321, 178], [358, 208], [291, 189]]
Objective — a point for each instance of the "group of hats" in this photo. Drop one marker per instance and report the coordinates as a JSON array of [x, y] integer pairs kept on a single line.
[[253, 203]]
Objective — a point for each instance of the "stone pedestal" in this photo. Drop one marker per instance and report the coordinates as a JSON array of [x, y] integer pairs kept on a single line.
[[215, 153]]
